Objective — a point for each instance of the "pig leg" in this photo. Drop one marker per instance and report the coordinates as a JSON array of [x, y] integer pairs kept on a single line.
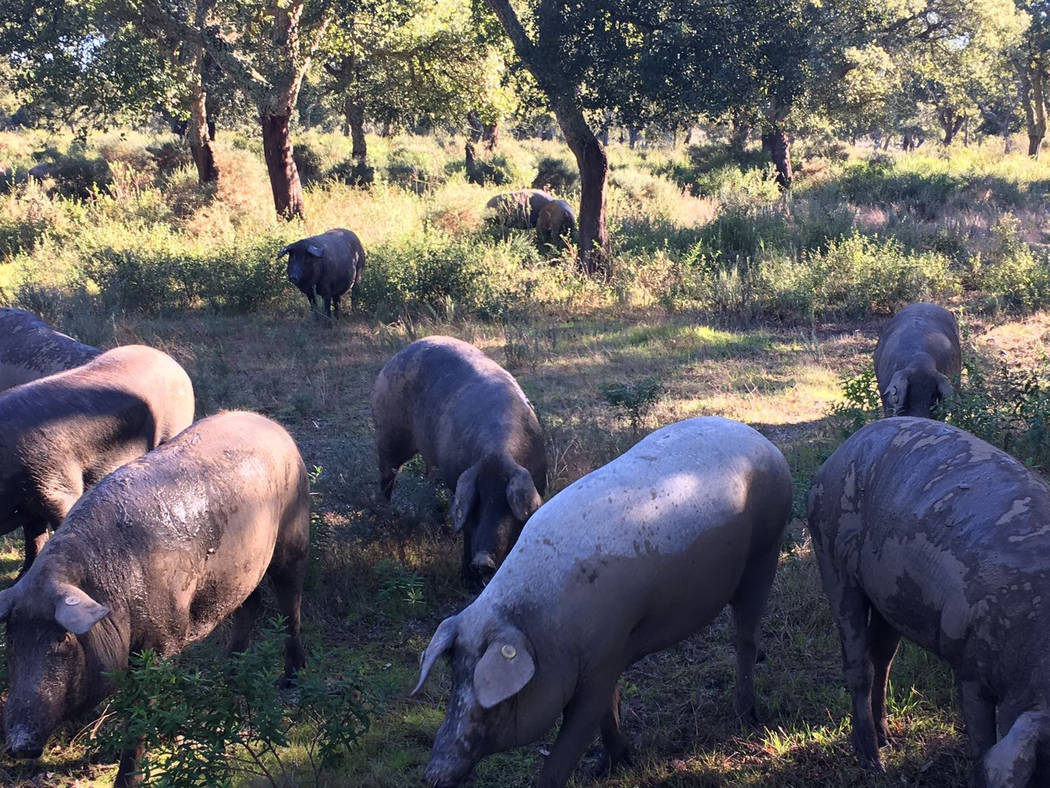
[[579, 720], [353, 297], [615, 744], [327, 306], [394, 449], [978, 710], [335, 306], [128, 771], [288, 583], [884, 641], [244, 618], [850, 608], [749, 603]]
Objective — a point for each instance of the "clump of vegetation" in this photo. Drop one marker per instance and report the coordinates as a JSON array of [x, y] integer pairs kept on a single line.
[[400, 589], [634, 399], [216, 726], [352, 173], [309, 162], [74, 173], [555, 174]]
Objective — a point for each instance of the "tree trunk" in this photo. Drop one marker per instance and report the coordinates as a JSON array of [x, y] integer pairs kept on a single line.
[[1033, 80], [779, 147], [354, 112], [490, 135], [198, 131], [284, 177], [951, 122], [739, 131], [593, 163], [388, 129], [632, 136], [603, 137], [474, 127]]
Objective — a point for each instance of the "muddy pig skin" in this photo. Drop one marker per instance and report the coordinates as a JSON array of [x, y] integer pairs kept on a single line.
[[629, 560], [918, 351], [477, 432], [31, 349], [61, 434], [921, 530], [154, 556]]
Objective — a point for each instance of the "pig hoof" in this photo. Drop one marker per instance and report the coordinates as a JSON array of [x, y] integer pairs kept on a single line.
[[612, 762], [873, 765]]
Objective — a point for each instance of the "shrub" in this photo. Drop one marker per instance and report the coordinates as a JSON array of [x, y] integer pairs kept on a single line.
[[309, 163], [556, 175], [352, 173], [409, 170], [634, 399], [208, 727], [75, 174], [1013, 274], [157, 280]]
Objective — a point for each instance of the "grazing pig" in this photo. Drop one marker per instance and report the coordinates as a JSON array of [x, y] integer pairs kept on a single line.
[[477, 432], [326, 265], [918, 351], [922, 530], [61, 434], [518, 210], [153, 557], [556, 223], [31, 349], [629, 560]]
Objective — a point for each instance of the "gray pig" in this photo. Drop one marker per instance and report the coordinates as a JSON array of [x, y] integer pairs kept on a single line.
[[154, 557], [326, 265], [61, 434], [518, 210], [923, 531], [918, 351], [629, 560], [31, 349], [476, 431], [556, 223]]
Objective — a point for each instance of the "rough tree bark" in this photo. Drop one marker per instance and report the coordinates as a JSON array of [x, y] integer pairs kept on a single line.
[[280, 166], [1033, 98], [354, 111], [951, 121], [777, 144], [563, 95], [199, 131]]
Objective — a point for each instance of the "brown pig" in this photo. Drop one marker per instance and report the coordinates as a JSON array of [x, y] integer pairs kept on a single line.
[[154, 556], [61, 434], [923, 531], [31, 349], [474, 427]]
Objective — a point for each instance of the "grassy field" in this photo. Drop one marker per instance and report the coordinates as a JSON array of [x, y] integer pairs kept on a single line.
[[739, 302]]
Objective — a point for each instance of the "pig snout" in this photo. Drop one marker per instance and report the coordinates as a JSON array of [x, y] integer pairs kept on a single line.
[[22, 743], [484, 563], [445, 772]]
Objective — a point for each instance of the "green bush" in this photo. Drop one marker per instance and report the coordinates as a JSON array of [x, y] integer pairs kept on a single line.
[[214, 727], [352, 173], [75, 174], [1013, 274], [410, 169], [308, 162], [231, 278], [557, 175]]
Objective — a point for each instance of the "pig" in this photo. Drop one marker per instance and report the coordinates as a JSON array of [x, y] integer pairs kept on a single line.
[[31, 349], [922, 530], [518, 210], [326, 265], [556, 223], [154, 556], [477, 432], [918, 351], [61, 434], [630, 559]]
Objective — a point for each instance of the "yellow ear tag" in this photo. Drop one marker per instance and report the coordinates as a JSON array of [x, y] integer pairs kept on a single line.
[[509, 651]]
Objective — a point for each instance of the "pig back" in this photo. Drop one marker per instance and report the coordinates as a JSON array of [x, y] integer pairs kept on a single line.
[[31, 349], [948, 536], [185, 533], [664, 532]]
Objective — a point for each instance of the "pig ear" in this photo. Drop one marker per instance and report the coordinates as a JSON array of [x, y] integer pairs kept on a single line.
[[315, 250], [466, 496], [1011, 762], [522, 495], [504, 668], [284, 251], [8, 597], [442, 641], [944, 387], [896, 391], [76, 611]]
